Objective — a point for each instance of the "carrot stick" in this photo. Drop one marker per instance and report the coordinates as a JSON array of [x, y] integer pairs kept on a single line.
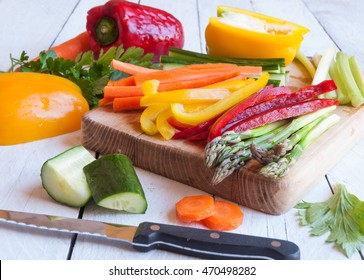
[[202, 66], [122, 91], [168, 86], [106, 100], [227, 216], [195, 208], [180, 74], [126, 103], [128, 81], [131, 68]]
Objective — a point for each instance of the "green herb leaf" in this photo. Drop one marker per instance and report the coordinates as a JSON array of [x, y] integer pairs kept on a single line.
[[342, 215], [89, 74]]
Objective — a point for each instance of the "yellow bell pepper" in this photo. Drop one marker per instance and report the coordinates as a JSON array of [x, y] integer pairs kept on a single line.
[[149, 116], [36, 106], [164, 128], [194, 118], [245, 34]]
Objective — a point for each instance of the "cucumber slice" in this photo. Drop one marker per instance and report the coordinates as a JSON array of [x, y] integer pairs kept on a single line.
[[115, 185], [63, 178]]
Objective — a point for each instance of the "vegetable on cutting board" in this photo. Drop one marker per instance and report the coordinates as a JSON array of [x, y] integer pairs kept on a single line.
[[241, 33], [216, 215], [342, 215], [114, 184], [119, 22], [36, 106], [63, 177]]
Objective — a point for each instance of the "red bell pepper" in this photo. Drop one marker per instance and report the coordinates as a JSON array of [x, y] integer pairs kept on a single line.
[[303, 94], [119, 22], [285, 112]]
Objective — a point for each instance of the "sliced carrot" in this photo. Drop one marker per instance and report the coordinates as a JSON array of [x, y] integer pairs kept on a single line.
[[122, 91], [182, 74], [131, 69], [128, 81], [227, 216], [202, 66], [195, 208], [168, 86], [126, 103], [106, 100]]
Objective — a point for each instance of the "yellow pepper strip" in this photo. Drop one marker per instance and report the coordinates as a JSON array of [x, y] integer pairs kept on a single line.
[[150, 87], [211, 93], [245, 34], [36, 106], [149, 116], [185, 96], [164, 128], [194, 118]]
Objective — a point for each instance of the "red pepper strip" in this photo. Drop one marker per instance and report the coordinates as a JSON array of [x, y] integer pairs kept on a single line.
[[216, 128], [178, 125], [282, 113], [303, 94], [199, 136], [189, 132]]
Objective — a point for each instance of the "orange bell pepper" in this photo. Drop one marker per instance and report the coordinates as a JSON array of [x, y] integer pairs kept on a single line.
[[36, 106]]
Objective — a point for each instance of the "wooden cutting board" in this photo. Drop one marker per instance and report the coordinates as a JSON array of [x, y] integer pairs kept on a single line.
[[107, 132]]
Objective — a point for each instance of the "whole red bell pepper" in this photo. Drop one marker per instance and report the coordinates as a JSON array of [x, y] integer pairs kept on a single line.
[[119, 22]]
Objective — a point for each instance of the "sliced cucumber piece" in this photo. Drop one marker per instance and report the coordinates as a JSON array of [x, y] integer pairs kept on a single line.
[[63, 178], [115, 185]]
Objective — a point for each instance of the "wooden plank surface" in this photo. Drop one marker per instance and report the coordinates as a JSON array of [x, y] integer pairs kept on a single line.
[[47, 22]]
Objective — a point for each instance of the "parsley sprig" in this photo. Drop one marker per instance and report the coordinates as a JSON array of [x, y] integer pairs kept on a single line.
[[90, 74], [342, 215]]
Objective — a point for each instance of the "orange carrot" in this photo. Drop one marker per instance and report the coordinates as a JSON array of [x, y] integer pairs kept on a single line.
[[71, 48], [168, 86], [122, 91], [195, 208], [202, 66], [181, 74], [128, 81], [126, 103], [227, 216], [131, 69], [106, 100]]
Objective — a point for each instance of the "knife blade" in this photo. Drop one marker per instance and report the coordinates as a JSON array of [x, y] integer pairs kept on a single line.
[[206, 244]]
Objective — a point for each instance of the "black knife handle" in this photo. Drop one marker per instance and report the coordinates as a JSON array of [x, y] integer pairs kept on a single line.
[[209, 244]]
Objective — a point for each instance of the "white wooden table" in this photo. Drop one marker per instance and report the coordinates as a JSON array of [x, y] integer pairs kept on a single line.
[[36, 25]]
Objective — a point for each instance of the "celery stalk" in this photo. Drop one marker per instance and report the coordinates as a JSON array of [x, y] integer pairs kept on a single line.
[[357, 73], [350, 87], [341, 96], [323, 67]]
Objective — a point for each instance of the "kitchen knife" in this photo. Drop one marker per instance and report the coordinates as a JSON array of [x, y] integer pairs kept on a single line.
[[147, 236]]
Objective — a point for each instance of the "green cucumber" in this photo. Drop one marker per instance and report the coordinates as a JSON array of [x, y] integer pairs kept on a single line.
[[115, 185], [63, 178]]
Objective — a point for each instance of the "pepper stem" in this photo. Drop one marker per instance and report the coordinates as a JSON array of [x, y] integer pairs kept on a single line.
[[106, 31]]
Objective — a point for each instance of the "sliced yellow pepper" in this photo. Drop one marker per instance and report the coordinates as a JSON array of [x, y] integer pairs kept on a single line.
[[246, 34], [35, 106], [211, 93], [149, 116], [164, 128], [194, 118]]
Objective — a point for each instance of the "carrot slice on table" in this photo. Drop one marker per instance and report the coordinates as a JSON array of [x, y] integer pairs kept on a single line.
[[195, 208], [126, 103], [227, 216], [130, 68]]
